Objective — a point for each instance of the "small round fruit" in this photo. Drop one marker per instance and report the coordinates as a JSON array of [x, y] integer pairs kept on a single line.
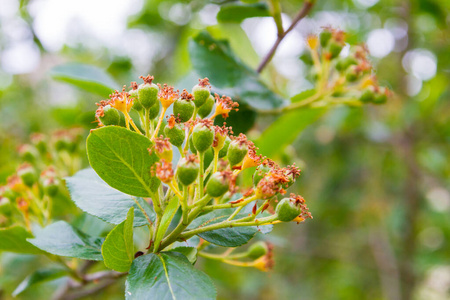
[[236, 152], [202, 137], [110, 116], [154, 111], [260, 172], [201, 92], [257, 250], [218, 184], [184, 109], [287, 210], [207, 107], [224, 150], [176, 134], [148, 95], [187, 170]]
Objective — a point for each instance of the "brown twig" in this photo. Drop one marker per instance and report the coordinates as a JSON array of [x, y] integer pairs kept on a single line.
[[301, 14]]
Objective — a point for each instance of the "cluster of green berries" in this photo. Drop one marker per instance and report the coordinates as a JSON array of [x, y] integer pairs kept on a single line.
[[211, 157], [352, 74], [27, 193]]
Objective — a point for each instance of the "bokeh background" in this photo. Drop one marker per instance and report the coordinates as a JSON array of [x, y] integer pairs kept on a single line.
[[376, 178]]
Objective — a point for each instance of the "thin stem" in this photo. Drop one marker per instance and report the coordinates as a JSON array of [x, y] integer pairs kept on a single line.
[[225, 224], [234, 214], [275, 11], [216, 159], [147, 123], [301, 14], [184, 206], [201, 157], [129, 120], [229, 204], [161, 118]]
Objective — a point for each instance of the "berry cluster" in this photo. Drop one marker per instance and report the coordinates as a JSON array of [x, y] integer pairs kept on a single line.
[[211, 158], [28, 194], [343, 79]]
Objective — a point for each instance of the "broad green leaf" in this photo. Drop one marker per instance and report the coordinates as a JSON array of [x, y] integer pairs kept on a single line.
[[226, 237], [14, 239], [86, 77], [62, 239], [285, 130], [118, 248], [91, 194], [238, 12], [167, 276], [167, 217], [189, 252], [214, 59], [121, 158], [38, 277]]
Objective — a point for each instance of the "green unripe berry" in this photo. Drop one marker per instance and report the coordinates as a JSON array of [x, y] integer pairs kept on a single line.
[[287, 210], [207, 107], [259, 174], [345, 62], [218, 184], [202, 137], [201, 92], [5, 206], [154, 111], [187, 170], [191, 146], [184, 109], [257, 250], [8, 193], [367, 95], [352, 74], [27, 174], [111, 116], [137, 106], [335, 49], [224, 150], [236, 152], [176, 134], [28, 153], [148, 95], [51, 186], [380, 96], [40, 142], [325, 37], [208, 158]]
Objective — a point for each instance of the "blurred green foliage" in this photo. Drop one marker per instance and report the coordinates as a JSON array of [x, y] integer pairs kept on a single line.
[[376, 179]]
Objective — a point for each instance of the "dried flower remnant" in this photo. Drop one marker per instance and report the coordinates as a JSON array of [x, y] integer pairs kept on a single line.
[[223, 106], [164, 171]]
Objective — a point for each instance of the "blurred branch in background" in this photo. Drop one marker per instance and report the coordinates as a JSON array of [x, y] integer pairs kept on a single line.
[[307, 6]]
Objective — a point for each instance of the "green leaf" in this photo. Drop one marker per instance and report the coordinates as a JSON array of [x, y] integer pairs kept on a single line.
[[118, 248], [121, 158], [285, 130], [214, 59], [14, 239], [167, 276], [167, 217], [226, 237], [91, 194], [62, 239], [303, 95], [38, 277], [189, 252], [238, 12], [86, 77]]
